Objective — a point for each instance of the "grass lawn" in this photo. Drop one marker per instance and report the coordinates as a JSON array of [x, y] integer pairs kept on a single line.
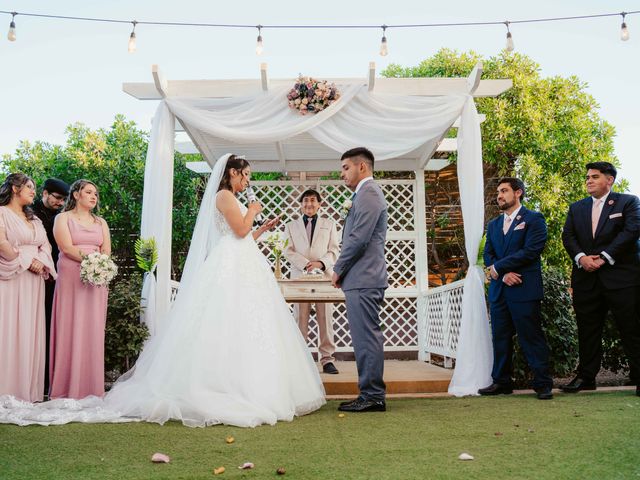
[[584, 436]]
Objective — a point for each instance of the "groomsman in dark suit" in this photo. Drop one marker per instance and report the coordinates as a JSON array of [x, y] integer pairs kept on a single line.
[[512, 251], [601, 235], [54, 194]]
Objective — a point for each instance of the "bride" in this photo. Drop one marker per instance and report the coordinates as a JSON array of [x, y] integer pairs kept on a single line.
[[230, 351]]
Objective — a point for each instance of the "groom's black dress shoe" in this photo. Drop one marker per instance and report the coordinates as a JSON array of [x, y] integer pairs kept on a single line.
[[330, 368], [496, 389], [362, 405], [578, 384], [349, 402], [543, 393]]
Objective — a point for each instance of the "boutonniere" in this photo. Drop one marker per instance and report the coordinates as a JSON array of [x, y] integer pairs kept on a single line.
[[611, 202], [518, 217], [346, 206]]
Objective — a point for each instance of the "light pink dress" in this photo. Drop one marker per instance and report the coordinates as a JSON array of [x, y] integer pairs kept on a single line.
[[22, 327], [77, 323]]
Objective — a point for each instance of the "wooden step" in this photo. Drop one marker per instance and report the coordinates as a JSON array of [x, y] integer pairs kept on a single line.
[[400, 376]]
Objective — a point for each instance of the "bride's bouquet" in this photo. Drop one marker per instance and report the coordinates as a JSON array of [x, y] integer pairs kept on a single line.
[[97, 269]]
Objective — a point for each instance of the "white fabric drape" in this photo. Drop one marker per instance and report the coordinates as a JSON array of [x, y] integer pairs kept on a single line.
[[389, 125], [474, 359]]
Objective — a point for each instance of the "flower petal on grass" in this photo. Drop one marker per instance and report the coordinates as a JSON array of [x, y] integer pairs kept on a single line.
[[465, 456], [160, 458]]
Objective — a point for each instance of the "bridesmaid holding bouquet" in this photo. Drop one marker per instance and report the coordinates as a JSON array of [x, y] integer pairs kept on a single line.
[[25, 263], [79, 308]]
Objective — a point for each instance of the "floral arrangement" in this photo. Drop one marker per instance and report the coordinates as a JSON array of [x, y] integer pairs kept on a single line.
[[97, 269], [309, 95], [344, 209], [277, 243]]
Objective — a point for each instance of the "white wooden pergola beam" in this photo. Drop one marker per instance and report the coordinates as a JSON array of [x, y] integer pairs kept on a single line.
[[473, 80], [372, 75], [160, 82]]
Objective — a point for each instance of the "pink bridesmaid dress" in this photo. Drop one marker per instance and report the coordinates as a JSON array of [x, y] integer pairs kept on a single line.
[[77, 324], [22, 326]]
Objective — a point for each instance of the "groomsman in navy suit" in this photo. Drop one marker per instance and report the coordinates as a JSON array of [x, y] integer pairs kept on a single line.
[[512, 251], [601, 235]]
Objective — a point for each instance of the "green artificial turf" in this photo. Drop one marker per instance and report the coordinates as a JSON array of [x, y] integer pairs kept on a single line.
[[583, 436]]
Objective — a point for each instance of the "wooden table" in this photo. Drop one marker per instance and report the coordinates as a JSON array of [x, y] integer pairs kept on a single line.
[[318, 290]]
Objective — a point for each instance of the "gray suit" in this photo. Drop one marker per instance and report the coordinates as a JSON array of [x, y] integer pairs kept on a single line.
[[362, 270]]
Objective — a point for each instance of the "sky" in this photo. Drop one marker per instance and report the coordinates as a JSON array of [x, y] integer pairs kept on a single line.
[[59, 72]]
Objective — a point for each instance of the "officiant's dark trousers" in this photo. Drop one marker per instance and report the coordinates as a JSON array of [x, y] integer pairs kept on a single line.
[[363, 314]]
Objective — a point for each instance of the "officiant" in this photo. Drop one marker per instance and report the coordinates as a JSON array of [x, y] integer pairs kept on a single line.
[[54, 194], [314, 244]]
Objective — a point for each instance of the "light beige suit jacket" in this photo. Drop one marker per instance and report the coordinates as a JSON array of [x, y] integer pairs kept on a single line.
[[324, 247]]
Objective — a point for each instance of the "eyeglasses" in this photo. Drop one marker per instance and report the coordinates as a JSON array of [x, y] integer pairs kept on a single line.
[[58, 197]]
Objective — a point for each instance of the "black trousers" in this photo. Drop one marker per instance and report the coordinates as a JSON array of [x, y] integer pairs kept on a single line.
[[591, 307], [49, 289]]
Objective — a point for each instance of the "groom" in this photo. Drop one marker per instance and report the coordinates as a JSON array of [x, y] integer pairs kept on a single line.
[[361, 272]]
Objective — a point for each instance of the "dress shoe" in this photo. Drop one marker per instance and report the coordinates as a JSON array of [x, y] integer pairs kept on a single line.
[[543, 393], [577, 384], [496, 389], [349, 402], [362, 405], [330, 368]]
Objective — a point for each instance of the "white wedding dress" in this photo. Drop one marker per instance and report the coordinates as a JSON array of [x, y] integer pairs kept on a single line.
[[231, 353]]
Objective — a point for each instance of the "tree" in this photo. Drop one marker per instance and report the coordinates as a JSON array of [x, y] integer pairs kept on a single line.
[[544, 130]]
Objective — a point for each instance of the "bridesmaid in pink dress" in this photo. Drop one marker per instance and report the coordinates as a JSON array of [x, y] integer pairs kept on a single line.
[[25, 262], [79, 310]]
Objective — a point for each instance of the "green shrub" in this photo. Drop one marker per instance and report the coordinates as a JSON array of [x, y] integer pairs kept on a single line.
[[124, 335]]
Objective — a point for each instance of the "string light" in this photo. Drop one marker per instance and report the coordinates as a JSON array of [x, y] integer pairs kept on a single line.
[[132, 38], [384, 50], [509, 46], [11, 36], [259, 47], [624, 31]]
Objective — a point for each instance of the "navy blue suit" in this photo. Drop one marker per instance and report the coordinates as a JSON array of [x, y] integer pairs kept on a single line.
[[612, 287], [516, 309]]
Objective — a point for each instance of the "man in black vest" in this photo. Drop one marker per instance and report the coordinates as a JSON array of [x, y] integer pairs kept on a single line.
[[54, 194], [601, 235]]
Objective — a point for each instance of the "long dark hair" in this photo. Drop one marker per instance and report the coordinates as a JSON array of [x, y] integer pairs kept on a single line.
[[18, 180], [237, 163], [77, 186]]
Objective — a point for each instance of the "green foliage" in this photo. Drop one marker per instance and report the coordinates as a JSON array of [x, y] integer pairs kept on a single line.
[[559, 326], [124, 334], [146, 253]]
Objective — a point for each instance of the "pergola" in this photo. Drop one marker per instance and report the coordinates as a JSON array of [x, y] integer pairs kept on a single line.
[[404, 122]]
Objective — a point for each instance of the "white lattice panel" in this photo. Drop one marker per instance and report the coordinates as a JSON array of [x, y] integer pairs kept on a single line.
[[398, 318], [443, 314]]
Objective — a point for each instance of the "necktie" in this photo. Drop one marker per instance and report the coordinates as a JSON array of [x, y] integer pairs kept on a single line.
[[595, 215], [308, 228], [506, 224]]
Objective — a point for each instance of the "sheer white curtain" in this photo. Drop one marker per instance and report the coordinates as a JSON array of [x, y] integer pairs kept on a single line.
[[474, 359], [390, 125]]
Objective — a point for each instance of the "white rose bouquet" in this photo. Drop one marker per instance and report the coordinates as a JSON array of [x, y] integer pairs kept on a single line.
[[97, 269]]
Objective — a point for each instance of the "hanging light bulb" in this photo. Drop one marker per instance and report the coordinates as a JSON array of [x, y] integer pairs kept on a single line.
[[132, 38], [384, 50], [624, 31], [11, 36], [509, 46], [259, 47]]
